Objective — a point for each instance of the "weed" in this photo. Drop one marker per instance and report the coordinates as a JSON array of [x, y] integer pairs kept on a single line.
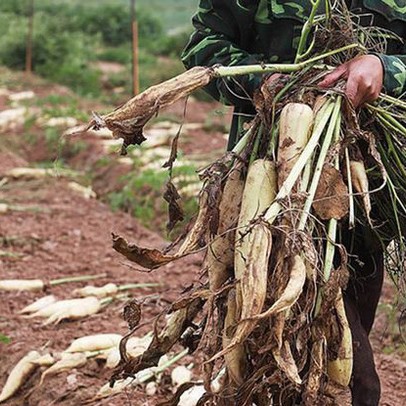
[[5, 339]]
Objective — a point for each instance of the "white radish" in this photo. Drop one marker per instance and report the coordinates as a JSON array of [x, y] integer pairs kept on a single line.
[[67, 362], [220, 253], [19, 374], [340, 369], [360, 182], [140, 377], [259, 192], [22, 284], [296, 121], [151, 388], [192, 396], [252, 249], [86, 307], [55, 307], [235, 360], [113, 358], [106, 390], [39, 304], [135, 347], [218, 383], [180, 375], [45, 360], [292, 291], [94, 342], [109, 289]]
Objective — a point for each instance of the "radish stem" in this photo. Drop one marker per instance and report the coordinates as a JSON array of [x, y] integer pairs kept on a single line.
[[61, 281], [320, 163]]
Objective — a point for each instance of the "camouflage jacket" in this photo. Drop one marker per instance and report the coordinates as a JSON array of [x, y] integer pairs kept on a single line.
[[242, 32]]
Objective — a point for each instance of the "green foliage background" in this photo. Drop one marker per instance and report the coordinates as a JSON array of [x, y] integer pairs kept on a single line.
[[71, 35]]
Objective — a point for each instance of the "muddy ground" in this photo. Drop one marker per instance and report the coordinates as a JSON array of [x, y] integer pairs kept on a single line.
[[52, 232]]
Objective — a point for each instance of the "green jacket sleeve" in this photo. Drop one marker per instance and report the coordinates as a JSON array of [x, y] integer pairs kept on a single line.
[[218, 39], [394, 74]]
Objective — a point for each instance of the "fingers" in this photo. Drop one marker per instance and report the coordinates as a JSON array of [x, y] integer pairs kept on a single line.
[[330, 79], [361, 88], [352, 91], [364, 77]]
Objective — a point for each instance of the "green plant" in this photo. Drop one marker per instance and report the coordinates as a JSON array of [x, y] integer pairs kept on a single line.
[[121, 54], [70, 34], [171, 45], [59, 55], [142, 196], [5, 339]]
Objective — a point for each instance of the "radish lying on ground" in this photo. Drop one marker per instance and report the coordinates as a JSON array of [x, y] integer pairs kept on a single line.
[[135, 346], [76, 310], [100, 292], [67, 362], [110, 289], [19, 375], [39, 304], [37, 284], [71, 309], [94, 343], [22, 284]]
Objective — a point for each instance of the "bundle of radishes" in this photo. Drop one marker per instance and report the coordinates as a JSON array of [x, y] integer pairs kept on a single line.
[[271, 313]]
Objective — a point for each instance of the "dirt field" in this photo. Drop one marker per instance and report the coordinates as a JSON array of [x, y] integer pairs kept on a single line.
[[53, 232]]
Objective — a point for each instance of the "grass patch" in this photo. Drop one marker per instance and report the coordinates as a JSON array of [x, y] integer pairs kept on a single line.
[[142, 197], [5, 339]]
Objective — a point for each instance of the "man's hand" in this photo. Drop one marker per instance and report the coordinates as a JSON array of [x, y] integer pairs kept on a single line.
[[364, 76]]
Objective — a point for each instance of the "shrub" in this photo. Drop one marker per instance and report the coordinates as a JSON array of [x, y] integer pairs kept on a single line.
[[58, 55], [121, 54], [171, 45], [69, 35], [19, 7]]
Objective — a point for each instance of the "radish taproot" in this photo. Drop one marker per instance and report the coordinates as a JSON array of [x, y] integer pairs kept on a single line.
[[94, 342], [109, 289], [340, 369], [74, 311], [39, 304], [21, 284], [19, 375], [296, 122], [220, 253], [361, 185], [67, 362]]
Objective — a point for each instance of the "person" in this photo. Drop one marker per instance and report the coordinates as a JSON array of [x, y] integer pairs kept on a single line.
[[243, 32]]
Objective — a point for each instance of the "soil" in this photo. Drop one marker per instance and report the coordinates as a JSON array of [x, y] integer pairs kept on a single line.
[[68, 235], [57, 233]]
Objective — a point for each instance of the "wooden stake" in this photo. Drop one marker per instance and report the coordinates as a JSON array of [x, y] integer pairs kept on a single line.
[[28, 54], [134, 30]]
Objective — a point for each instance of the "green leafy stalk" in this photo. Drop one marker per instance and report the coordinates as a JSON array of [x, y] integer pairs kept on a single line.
[[392, 100], [335, 120], [307, 27], [83, 278], [138, 286], [228, 71]]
